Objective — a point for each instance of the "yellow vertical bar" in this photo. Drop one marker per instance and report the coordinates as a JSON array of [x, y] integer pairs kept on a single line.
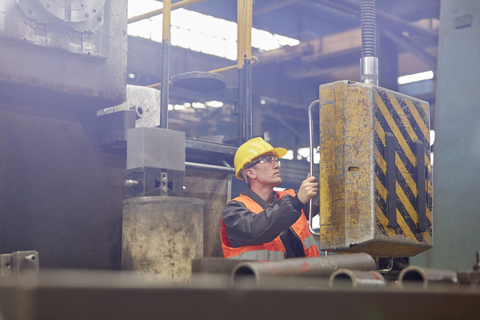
[[167, 10], [240, 33], [248, 30]]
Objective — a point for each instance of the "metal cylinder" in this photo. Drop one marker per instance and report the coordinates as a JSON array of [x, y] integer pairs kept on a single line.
[[417, 276], [301, 267], [368, 60], [161, 236], [369, 70], [347, 278]]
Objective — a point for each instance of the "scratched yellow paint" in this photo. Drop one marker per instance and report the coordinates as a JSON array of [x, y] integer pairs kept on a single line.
[[381, 189], [425, 234], [406, 203], [403, 117], [381, 162], [429, 186], [429, 215], [406, 230], [401, 140], [401, 222], [405, 174], [384, 222], [427, 160], [418, 119], [401, 167], [380, 131], [330, 230], [352, 220]]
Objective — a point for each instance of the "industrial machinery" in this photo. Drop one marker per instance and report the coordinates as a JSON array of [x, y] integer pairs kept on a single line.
[[162, 229], [375, 172], [41, 40], [151, 198]]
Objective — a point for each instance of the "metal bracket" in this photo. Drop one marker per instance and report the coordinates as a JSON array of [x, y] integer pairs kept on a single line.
[[18, 265]]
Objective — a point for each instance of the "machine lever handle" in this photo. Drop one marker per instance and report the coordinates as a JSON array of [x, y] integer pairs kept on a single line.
[[310, 127]]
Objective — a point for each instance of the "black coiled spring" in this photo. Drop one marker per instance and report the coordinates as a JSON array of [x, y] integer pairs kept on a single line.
[[368, 24]]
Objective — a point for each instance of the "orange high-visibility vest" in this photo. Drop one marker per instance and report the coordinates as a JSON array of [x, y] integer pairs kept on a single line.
[[273, 250]]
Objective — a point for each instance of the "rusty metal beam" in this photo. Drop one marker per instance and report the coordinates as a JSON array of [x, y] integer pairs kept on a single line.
[[277, 6], [286, 124], [95, 296], [410, 46], [383, 17]]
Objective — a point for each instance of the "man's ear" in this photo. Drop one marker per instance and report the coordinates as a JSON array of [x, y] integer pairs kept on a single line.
[[250, 173]]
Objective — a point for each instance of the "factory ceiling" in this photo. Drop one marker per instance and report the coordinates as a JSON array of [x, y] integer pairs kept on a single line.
[[286, 79]]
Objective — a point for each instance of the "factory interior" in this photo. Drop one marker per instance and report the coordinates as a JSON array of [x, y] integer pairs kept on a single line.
[[119, 123]]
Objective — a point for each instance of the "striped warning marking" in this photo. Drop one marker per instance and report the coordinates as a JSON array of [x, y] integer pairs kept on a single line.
[[408, 121]]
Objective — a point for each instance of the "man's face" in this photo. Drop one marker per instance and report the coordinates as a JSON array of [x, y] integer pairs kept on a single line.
[[268, 172]]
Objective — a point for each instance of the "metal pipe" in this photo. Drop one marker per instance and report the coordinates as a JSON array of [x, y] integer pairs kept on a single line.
[[240, 72], [247, 64], [241, 106], [178, 5], [240, 33], [166, 43], [248, 100], [310, 131], [248, 29], [389, 267], [195, 165], [248, 70], [254, 62], [131, 183], [310, 134], [416, 276], [301, 267], [347, 278]]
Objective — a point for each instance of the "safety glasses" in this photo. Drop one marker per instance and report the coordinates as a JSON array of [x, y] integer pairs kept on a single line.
[[265, 159]]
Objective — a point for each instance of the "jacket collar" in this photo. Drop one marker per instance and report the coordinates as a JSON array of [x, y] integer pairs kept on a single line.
[[255, 197]]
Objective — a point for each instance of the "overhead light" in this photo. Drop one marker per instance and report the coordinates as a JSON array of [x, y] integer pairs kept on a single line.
[[415, 77], [198, 105], [288, 155], [214, 104]]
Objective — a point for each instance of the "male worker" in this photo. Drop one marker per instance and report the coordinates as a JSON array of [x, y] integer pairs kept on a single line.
[[262, 224]]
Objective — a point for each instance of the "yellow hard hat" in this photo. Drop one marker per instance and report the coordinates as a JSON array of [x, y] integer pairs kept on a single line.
[[250, 150]]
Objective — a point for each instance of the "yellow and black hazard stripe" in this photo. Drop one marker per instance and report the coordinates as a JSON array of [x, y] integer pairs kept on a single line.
[[402, 168]]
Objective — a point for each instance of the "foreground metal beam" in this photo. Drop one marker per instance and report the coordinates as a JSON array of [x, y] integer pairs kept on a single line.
[[72, 296]]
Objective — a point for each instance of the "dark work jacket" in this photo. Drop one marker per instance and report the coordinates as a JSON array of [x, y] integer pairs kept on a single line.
[[244, 228]]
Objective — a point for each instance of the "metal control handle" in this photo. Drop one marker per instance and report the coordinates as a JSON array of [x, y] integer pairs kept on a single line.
[[310, 131]]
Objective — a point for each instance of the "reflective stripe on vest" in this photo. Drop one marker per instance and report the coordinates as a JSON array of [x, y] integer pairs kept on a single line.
[[309, 242], [260, 255]]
